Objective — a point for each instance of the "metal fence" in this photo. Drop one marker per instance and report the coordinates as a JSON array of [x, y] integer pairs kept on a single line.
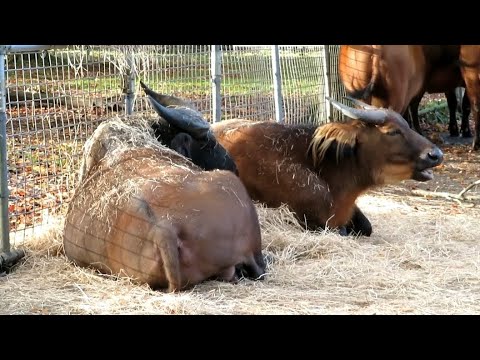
[[54, 98]]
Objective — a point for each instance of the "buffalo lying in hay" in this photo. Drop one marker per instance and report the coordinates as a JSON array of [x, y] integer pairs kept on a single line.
[[320, 171], [144, 211]]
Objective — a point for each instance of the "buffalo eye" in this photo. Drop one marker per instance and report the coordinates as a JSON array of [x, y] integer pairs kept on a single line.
[[394, 132]]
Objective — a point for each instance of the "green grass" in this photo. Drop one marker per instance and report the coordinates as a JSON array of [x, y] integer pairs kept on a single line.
[[435, 112], [243, 72], [247, 84], [98, 83]]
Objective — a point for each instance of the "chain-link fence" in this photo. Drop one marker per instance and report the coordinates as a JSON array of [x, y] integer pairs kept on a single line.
[[53, 99]]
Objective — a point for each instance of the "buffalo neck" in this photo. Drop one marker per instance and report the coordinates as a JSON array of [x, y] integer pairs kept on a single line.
[[346, 176]]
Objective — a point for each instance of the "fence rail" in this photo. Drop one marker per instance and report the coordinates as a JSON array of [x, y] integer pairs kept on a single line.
[[53, 98]]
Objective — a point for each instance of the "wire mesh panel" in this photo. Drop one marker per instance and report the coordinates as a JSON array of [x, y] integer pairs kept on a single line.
[[54, 100], [303, 84], [247, 83], [177, 70], [337, 89]]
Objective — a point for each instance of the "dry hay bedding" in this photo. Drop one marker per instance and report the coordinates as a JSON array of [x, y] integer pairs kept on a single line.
[[420, 259]]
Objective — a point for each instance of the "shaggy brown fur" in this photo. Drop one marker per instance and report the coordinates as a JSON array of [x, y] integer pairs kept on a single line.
[[146, 212], [327, 137]]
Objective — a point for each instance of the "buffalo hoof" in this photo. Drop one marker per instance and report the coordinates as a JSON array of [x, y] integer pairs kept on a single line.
[[240, 271], [467, 134], [246, 271], [348, 231], [364, 232], [343, 231], [454, 132]]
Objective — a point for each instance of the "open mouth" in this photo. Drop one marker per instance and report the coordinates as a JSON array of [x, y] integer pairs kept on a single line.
[[423, 175]]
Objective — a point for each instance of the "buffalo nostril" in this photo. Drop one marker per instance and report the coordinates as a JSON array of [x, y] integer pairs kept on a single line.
[[436, 155]]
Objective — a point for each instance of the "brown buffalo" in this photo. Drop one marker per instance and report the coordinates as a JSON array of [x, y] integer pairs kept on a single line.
[[383, 75], [320, 171], [397, 76], [144, 211], [443, 75]]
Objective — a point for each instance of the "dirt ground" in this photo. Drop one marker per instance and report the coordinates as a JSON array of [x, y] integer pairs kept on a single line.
[[461, 165], [459, 169]]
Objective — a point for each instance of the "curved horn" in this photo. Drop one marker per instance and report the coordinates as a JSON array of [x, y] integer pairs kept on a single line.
[[390, 112], [166, 100], [184, 118], [361, 103], [371, 116], [398, 117]]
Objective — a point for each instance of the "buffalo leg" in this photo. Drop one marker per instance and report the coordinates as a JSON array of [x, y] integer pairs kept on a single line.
[[359, 224], [465, 127], [229, 275], [165, 240], [473, 90], [412, 113], [407, 115], [476, 139], [469, 55], [253, 269], [452, 109]]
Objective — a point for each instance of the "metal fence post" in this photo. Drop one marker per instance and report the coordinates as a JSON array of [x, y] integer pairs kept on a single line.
[[7, 258], [129, 89], [277, 84], [4, 223], [216, 73], [326, 78]]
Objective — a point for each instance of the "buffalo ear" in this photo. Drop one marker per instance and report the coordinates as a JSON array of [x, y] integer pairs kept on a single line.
[[167, 100], [182, 143]]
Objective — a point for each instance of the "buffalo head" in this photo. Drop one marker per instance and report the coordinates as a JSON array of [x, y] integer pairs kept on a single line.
[[183, 129], [384, 137]]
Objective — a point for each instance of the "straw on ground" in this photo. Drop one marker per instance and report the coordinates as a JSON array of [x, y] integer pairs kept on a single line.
[[423, 258]]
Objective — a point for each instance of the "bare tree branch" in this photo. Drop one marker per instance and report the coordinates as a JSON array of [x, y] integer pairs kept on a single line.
[[468, 188], [460, 196]]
